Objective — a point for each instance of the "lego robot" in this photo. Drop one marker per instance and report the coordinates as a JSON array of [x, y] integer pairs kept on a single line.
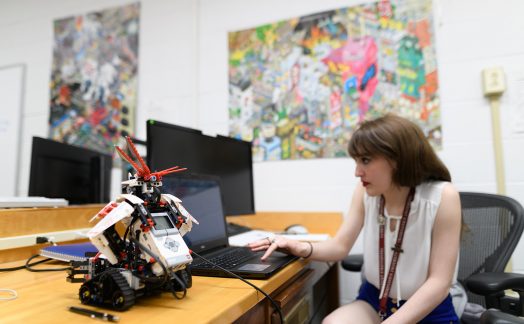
[[150, 256]]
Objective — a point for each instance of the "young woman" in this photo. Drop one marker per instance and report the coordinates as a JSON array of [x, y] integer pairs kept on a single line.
[[411, 220]]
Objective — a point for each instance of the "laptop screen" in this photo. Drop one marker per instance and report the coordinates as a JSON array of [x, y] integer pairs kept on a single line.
[[201, 197]]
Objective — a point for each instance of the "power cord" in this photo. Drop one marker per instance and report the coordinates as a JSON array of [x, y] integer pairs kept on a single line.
[[277, 308], [182, 284], [28, 266]]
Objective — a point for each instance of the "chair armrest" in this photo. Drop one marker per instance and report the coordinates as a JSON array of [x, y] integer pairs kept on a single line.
[[493, 316], [488, 283], [353, 262]]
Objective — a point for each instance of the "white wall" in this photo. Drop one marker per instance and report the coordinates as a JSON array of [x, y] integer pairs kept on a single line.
[[167, 46], [183, 80]]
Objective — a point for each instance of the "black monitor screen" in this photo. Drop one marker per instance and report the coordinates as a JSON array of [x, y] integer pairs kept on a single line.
[[59, 170], [227, 158]]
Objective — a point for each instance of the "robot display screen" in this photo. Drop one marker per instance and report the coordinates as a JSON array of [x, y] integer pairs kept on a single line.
[[202, 199], [162, 222]]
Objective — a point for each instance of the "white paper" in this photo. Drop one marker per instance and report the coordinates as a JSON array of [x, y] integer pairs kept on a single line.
[[244, 239]]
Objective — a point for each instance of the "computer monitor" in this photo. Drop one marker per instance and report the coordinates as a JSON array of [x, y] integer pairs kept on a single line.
[[227, 158], [60, 170]]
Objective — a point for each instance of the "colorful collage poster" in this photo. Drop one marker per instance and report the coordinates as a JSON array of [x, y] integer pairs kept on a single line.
[[299, 87], [94, 78]]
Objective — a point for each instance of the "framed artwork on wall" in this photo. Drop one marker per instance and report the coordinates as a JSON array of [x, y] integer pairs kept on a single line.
[[94, 77], [299, 87]]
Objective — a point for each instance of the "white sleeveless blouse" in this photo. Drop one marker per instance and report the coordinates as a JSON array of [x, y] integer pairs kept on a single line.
[[413, 263]]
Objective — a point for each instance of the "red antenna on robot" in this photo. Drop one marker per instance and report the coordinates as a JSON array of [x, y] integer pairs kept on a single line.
[[143, 171]]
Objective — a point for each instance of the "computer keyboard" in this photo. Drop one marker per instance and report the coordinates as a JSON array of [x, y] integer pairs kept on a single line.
[[234, 229], [227, 260]]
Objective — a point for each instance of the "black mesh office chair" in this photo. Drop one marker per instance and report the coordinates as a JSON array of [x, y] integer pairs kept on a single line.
[[494, 227]]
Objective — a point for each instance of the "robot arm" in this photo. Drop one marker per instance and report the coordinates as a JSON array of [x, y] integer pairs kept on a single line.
[[184, 221], [103, 235]]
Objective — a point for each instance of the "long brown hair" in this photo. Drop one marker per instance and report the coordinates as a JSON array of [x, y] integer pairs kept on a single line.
[[402, 142]]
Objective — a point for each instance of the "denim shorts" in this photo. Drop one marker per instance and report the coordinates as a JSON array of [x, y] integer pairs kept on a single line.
[[443, 313]]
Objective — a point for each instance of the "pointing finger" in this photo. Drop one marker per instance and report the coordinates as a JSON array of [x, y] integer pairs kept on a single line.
[[270, 250]]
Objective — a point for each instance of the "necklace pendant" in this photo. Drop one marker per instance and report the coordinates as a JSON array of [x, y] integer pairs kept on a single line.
[[381, 219]]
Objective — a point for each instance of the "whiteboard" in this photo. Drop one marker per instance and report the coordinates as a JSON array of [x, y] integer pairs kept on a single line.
[[11, 106]]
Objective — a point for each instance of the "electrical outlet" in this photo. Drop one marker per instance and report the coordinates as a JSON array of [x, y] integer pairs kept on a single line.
[[493, 81]]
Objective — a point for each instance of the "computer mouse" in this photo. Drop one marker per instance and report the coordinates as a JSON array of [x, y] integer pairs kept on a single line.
[[296, 229]]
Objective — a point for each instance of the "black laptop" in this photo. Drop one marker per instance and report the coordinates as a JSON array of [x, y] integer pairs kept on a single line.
[[200, 195]]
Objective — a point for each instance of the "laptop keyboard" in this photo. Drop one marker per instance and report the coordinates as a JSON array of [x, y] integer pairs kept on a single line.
[[227, 260]]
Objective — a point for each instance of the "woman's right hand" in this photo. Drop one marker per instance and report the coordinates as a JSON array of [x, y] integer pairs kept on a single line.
[[280, 244]]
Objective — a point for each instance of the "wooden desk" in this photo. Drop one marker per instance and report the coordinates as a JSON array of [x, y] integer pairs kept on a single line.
[[44, 297], [26, 221]]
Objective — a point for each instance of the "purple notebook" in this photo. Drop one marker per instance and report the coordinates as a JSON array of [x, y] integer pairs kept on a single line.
[[69, 252]]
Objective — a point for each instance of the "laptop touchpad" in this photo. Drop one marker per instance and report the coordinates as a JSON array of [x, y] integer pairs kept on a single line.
[[254, 267]]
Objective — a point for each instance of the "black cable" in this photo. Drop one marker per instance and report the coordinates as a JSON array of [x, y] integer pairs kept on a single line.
[[182, 284], [157, 259], [166, 276], [126, 233], [277, 308], [133, 220], [165, 279], [28, 266], [23, 266]]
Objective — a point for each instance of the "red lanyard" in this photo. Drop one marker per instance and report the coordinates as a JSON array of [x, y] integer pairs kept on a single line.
[[397, 249]]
